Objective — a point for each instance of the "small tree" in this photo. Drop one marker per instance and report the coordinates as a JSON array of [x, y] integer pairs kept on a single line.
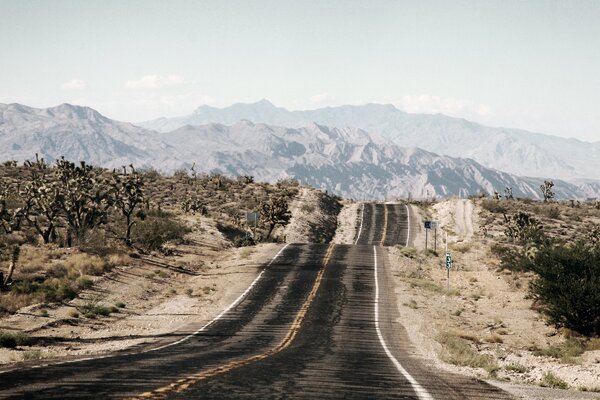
[[275, 212], [546, 189], [128, 198], [568, 285], [43, 205], [523, 228], [11, 216], [508, 193], [85, 200]]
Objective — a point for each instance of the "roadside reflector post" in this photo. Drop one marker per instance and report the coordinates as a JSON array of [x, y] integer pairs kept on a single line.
[[448, 266], [252, 216]]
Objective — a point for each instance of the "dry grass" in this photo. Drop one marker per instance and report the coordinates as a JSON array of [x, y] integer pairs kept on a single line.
[[86, 264], [553, 381], [458, 351]]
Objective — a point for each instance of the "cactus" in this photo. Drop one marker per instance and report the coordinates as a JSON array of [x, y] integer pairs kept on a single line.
[[193, 205], [546, 189], [85, 199], [127, 197], [275, 212], [523, 227], [42, 199], [10, 216]]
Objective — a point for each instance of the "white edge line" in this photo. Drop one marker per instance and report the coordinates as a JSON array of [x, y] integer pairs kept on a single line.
[[362, 217], [421, 392], [408, 225], [235, 303]]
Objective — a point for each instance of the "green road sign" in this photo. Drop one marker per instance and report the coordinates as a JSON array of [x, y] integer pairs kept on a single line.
[[448, 260]]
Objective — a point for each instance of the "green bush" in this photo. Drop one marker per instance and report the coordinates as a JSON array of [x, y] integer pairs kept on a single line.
[[493, 206], [243, 241], [568, 285], [11, 340], [155, 231]]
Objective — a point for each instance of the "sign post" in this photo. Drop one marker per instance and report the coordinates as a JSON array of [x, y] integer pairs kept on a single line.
[[448, 266], [431, 225], [252, 216]]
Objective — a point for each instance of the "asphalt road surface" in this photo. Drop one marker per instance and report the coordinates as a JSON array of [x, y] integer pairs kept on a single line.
[[319, 322]]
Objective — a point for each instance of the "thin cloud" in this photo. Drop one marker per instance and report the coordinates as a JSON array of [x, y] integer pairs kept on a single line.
[[154, 82], [74, 84], [322, 98], [430, 104]]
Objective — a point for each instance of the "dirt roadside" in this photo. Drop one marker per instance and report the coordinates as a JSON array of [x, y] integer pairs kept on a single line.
[[486, 308], [482, 305], [150, 296]]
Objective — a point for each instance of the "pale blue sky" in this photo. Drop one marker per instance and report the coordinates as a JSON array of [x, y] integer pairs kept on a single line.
[[526, 64]]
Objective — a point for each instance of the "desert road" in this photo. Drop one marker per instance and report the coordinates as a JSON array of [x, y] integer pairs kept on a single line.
[[320, 321]]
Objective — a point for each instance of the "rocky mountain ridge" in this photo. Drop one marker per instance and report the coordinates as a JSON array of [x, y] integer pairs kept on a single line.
[[512, 150], [347, 161]]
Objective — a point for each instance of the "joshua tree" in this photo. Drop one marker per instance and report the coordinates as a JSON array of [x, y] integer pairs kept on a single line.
[[128, 196], [546, 189], [14, 258], [85, 200], [508, 193], [10, 216], [496, 195], [275, 212], [42, 199], [523, 227]]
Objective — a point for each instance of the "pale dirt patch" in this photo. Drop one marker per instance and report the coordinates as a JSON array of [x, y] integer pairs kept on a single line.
[[348, 223], [482, 303], [160, 295], [314, 217]]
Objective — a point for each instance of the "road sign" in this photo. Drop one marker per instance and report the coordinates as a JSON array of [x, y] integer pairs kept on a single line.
[[448, 261], [251, 216], [430, 224]]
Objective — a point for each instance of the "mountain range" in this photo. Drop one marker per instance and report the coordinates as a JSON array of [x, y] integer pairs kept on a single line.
[[349, 161], [512, 150]]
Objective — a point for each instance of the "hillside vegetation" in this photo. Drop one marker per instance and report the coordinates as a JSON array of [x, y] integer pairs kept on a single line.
[[70, 233]]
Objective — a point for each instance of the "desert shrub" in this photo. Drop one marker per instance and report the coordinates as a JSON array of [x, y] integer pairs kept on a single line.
[[57, 271], [565, 351], [11, 340], [493, 206], [458, 351], [87, 264], [568, 285], [553, 381], [156, 230], [552, 212], [92, 308], [243, 241], [84, 283]]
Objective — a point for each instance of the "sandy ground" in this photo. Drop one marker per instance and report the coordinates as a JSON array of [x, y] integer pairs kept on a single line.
[[348, 220], [488, 307], [305, 215], [160, 295]]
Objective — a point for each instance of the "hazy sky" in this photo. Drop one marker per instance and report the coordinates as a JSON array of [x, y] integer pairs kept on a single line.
[[526, 64]]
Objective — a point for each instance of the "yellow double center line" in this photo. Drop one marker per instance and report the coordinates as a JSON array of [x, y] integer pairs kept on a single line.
[[385, 223], [184, 383]]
